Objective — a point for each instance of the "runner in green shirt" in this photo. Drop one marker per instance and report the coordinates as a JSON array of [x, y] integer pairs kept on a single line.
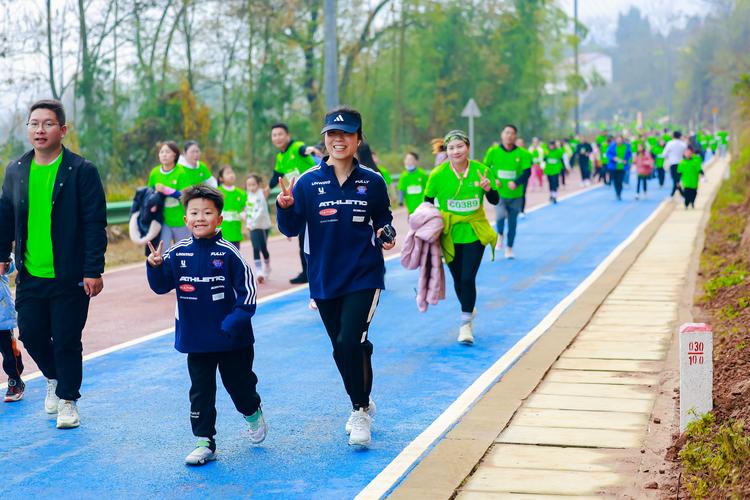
[[196, 172], [293, 159], [169, 179], [553, 165], [657, 152], [511, 166], [412, 183], [460, 186], [690, 169], [234, 203]]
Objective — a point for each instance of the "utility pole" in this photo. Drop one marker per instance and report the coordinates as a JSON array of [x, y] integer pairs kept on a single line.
[[331, 75], [575, 59]]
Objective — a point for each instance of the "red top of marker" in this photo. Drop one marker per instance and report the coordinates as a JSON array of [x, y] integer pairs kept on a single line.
[[695, 328]]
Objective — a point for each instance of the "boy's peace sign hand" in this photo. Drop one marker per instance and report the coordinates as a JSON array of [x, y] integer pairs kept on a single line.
[[484, 182], [285, 199], [155, 258]]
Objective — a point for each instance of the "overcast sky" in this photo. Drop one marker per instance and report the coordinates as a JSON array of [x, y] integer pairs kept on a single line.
[[600, 16]]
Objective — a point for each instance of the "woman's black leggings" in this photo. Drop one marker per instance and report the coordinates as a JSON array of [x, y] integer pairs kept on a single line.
[[259, 239], [347, 321], [464, 268]]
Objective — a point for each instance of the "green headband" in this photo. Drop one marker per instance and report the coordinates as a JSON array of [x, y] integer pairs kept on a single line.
[[456, 135]]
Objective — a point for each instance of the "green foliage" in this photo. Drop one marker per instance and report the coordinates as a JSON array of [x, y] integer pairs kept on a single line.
[[713, 458], [729, 276]]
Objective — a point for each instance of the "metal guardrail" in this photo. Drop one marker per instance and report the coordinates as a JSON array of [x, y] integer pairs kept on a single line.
[[118, 212]]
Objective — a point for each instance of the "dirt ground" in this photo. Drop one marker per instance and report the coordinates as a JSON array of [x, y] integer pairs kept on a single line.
[[723, 301]]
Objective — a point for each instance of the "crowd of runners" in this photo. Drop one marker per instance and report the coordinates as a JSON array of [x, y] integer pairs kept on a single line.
[[334, 197]]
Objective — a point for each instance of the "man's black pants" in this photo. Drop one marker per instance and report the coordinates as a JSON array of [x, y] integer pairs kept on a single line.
[[51, 317], [347, 321], [236, 369]]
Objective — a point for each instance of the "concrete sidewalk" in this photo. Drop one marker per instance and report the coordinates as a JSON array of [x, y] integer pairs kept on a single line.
[[570, 417], [570, 435]]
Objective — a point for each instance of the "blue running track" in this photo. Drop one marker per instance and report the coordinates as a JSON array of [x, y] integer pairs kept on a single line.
[[135, 428]]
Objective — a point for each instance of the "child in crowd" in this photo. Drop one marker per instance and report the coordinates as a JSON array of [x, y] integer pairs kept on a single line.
[[215, 303], [234, 204], [412, 183], [12, 363], [690, 169], [258, 222], [644, 165]]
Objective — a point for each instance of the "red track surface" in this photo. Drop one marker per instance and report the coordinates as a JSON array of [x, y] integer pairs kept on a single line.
[[127, 308]]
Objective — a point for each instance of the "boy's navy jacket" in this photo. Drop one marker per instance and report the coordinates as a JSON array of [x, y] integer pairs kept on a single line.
[[215, 294], [342, 255]]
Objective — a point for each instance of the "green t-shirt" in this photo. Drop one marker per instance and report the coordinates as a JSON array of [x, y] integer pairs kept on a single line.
[[506, 167], [174, 213], [620, 152], [234, 202], [386, 175], [197, 175], [553, 162], [412, 185], [291, 163], [461, 196], [690, 171], [39, 258], [657, 151]]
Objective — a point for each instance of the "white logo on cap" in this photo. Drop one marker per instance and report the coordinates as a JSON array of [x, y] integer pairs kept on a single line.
[[339, 118]]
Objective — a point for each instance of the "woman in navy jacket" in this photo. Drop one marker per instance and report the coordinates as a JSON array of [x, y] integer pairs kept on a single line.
[[346, 210]]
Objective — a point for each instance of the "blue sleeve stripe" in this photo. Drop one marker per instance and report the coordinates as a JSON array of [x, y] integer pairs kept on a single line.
[[250, 299]]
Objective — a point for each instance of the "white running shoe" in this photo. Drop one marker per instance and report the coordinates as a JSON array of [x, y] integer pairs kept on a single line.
[[67, 415], [312, 305], [258, 427], [360, 435], [202, 454], [51, 401], [499, 244], [466, 334], [371, 410], [509, 253], [266, 268]]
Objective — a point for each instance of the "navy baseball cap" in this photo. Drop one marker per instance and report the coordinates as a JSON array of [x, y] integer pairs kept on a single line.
[[344, 120]]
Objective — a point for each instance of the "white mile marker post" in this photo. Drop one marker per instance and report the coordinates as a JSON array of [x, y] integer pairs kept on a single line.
[[696, 372]]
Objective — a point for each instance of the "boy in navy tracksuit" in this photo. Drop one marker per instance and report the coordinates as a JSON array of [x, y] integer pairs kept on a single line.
[[215, 303]]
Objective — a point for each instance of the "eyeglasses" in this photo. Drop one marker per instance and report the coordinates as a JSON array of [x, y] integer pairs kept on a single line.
[[48, 125]]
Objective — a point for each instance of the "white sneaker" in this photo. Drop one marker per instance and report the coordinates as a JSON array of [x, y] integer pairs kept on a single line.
[[312, 305], [522, 215], [258, 427], [509, 253], [67, 415], [202, 454], [360, 435], [466, 334], [499, 244], [51, 401], [371, 410], [266, 268]]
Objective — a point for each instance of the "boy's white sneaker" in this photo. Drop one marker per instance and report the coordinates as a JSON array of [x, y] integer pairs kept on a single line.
[[67, 415], [51, 401], [371, 410], [466, 334], [509, 253], [258, 427], [361, 422], [202, 453]]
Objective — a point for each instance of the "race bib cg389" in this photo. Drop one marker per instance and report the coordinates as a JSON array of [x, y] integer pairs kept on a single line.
[[469, 205]]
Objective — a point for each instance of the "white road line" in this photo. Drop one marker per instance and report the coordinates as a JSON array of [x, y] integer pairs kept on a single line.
[[412, 453]]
